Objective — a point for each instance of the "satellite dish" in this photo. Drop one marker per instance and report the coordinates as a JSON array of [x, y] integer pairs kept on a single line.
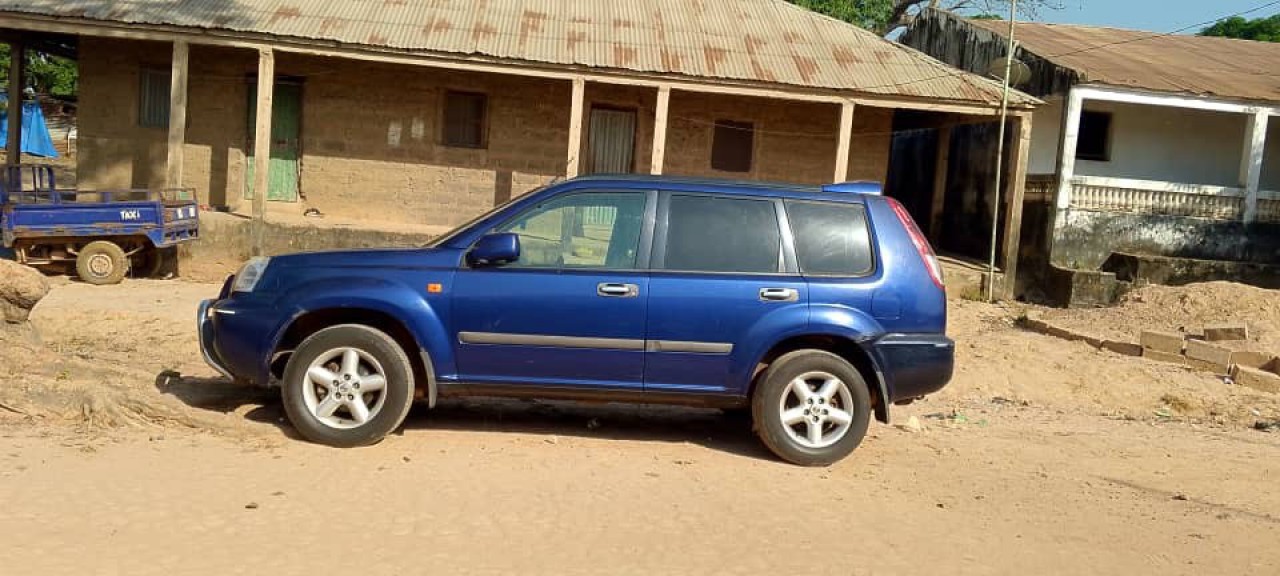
[[1019, 73]]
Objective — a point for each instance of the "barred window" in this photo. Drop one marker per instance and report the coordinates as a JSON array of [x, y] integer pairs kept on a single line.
[[153, 98]]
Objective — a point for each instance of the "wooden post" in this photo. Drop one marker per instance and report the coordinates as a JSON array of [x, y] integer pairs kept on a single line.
[[575, 128], [1017, 191], [177, 114], [262, 145], [1070, 138], [660, 130], [846, 140], [941, 164], [1255, 142], [17, 77]]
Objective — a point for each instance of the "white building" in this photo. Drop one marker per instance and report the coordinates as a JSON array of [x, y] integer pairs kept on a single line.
[[1170, 146]]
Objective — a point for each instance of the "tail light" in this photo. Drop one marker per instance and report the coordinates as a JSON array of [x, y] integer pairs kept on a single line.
[[922, 245]]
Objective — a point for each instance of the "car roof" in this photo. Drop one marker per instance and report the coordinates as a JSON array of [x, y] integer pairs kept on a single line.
[[846, 191]]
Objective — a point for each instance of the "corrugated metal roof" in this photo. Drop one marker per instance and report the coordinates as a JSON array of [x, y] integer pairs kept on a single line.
[[768, 41], [1207, 66]]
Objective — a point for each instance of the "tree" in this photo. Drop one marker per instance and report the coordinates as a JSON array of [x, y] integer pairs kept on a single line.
[[1261, 29], [45, 73], [885, 17]]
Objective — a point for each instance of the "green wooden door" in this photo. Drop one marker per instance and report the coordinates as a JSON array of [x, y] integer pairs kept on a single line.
[[286, 128]]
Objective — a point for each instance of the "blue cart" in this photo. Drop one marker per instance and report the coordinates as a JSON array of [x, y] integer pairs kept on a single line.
[[102, 234]]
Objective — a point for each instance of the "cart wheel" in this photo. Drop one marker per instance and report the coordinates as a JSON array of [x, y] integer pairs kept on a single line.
[[156, 263], [101, 263]]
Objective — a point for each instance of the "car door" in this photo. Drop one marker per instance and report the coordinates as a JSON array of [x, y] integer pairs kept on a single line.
[[722, 271], [571, 310]]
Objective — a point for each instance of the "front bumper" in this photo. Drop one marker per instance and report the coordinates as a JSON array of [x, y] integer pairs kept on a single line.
[[915, 365], [204, 324]]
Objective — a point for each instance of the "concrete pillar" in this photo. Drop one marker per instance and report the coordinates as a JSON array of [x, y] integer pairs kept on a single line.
[[1255, 142], [17, 78], [262, 145], [660, 130], [1070, 138], [1017, 178], [177, 115], [573, 164], [846, 140], [941, 163]]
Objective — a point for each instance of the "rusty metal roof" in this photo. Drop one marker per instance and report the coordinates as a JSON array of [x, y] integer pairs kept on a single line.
[[1200, 65], [758, 41]]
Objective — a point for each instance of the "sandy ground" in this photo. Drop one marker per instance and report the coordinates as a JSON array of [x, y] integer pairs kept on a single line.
[[1043, 457], [1183, 309]]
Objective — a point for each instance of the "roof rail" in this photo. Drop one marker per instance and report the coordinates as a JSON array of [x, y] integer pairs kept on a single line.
[[858, 187]]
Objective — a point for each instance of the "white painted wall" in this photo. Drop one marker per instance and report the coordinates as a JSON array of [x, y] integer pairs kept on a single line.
[[1170, 144], [1158, 143], [1271, 158], [1046, 129]]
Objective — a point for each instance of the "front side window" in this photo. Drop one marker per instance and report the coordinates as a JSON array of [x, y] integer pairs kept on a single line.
[[831, 238], [711, 234], [590, 230]]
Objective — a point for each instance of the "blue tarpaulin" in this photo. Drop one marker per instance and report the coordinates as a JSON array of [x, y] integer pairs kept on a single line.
[[35, 134]]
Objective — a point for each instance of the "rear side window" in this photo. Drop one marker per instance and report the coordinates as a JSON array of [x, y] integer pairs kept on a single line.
[[709, 234], [831, 238]]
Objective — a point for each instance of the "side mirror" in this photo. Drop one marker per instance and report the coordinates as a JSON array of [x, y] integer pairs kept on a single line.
[[495, 250]]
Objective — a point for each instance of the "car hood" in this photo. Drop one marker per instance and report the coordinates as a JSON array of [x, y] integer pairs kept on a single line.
[[372, 258]]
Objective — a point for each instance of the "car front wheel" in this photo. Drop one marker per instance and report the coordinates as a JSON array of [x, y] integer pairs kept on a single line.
[[812, 408], [347, 385]]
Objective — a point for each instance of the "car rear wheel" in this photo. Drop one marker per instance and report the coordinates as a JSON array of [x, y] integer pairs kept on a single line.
[[347, 385], [812, 408], [102, 263]]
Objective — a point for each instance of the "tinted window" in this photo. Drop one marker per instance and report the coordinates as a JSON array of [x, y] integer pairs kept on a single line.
[[592, 230], [831, 238], [707, 234]]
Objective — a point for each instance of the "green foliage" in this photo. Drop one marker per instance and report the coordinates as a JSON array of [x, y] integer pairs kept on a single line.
[[45, 73], [987, 17], [1260, 29], [870, 14]]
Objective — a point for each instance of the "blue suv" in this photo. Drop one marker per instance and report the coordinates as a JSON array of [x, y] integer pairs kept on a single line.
[[814, 308]]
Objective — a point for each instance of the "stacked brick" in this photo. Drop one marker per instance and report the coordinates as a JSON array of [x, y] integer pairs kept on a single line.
[[1217, 352], [1220, 350]]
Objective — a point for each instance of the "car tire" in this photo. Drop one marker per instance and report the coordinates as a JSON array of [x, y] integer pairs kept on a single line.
[[321, 390], [102, 262], [819, 424]]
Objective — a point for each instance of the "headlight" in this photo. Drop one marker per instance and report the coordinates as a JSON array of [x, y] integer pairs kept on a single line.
[[249, 275]]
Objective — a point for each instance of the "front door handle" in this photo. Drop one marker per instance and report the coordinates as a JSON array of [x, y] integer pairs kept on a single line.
[[779, 294], [612, 290]]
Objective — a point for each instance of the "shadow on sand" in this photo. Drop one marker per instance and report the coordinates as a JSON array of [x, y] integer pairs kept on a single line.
[[724, 431]]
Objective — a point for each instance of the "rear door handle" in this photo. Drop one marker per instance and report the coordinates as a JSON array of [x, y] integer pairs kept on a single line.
[[779, 294], [612, 290]]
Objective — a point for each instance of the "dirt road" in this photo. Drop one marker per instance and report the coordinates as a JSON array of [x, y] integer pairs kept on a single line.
[[1043, 457]]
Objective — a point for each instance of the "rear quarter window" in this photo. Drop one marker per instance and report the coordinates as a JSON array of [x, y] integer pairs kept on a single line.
[[831, 238]]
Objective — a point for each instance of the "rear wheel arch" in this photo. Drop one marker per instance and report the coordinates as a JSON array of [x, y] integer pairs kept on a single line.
[[844, 347], [314, 321]]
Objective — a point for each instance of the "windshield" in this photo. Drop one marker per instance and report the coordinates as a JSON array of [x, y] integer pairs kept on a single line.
[[450, 235]]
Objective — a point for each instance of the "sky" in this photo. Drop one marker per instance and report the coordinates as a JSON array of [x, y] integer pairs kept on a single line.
[[1153, 15]]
